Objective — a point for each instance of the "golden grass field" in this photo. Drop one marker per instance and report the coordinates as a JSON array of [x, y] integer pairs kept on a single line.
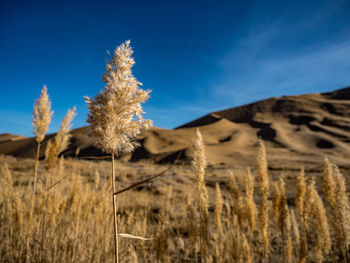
[[73, 219]]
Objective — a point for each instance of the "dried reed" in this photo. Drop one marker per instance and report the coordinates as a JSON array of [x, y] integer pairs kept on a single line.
[[41, 119], [249, 203], [60, 142], [199, 165], [323, 242], [218, 209], [238, 204], [276, 201], [116, 114], [328, 182], [301, 188], [263, 187], [341, 209]]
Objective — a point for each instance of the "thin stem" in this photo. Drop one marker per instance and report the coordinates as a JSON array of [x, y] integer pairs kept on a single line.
[[140, 182], [43, 227], [283, 255], [33, 200], [35, 179], [115, 218], [346, 254]]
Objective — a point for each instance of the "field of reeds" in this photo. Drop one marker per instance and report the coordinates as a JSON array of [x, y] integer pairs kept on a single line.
[[58, 210], [220, 215]]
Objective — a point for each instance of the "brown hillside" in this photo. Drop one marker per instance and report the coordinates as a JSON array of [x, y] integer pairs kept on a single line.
[[4, 137], [298, 130]]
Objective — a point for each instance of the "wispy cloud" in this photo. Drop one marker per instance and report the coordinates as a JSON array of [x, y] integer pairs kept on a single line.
[[263, 63]]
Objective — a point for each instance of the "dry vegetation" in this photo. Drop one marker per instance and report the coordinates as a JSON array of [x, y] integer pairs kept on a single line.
[[64, 210], [73, 219]]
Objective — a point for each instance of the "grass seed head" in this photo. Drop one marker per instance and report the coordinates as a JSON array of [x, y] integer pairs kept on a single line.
[[301, 188], [60, 142], [42, 115], [116, 113]]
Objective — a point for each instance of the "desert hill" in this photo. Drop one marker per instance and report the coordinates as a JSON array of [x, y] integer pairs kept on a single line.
[[298, 131], [4, 137]]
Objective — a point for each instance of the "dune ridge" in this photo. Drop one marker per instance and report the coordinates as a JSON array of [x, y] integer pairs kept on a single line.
[[298, 130]]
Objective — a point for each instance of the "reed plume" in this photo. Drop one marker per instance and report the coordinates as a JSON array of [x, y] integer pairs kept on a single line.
[[199, 165], [303, 205], [282, 218], [60, 142], [323, 242], [263, 187], [42, 115], [41, 119], [276, 201], [246, 251], [289, 249], [303, 248], [238, 205], [335, 191], [116, 114], [295, 227], [342, 212], [218, 209], [328, 182], [192, 223], [301, 188], [250, 204], [283, 207]]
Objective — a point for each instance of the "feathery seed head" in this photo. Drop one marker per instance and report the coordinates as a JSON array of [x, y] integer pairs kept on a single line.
[[342, 208], [199, 161], [199, 165], [295, 227], [262, 167], [301, 188], [276, 201], [283, 206], [246, 251], [116, 113], [323, 243], [63, 136], [42, 115], [263, 187], [218, 208], [60, 142], [328, 181], [250, 204]]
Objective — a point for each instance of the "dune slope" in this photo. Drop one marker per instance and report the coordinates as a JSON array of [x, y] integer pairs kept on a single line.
[[298, 131]]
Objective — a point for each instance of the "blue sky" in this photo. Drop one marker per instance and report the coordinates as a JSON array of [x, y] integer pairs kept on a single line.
[[195, 56]]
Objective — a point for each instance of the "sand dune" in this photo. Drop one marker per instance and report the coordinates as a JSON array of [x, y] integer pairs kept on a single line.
[[298, 131], [5, 137]]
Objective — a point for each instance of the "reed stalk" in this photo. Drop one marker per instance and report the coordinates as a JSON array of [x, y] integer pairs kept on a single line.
[[199, 165], [264, 191], [115, 218], [41, 119], [116, 114]]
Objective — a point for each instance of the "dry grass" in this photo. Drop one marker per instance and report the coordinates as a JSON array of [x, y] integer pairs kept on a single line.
[[78, 216]]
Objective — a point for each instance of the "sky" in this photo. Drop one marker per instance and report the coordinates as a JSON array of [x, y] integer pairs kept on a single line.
[[196, 56]]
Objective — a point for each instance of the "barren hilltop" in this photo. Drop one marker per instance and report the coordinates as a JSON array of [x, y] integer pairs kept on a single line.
[[297, 130]]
